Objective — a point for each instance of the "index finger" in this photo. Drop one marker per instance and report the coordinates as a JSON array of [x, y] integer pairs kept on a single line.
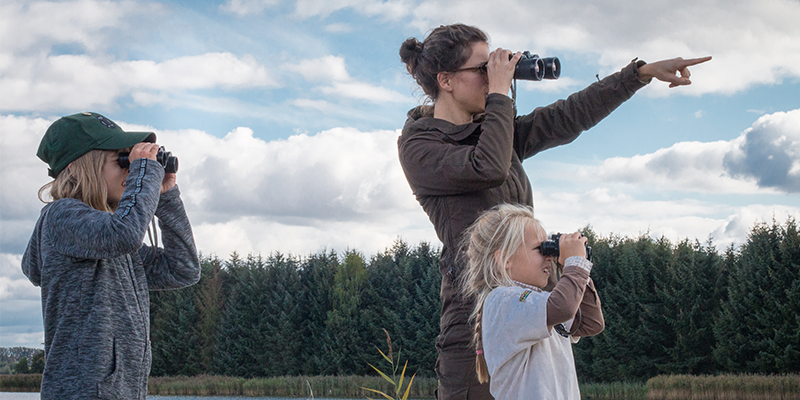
[[695, 61]]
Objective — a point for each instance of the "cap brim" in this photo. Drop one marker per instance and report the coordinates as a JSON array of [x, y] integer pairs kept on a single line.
[[124, 140]]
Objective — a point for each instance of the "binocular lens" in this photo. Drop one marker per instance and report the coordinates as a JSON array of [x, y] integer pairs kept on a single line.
[[529, 69], [532, 68], [552, 68], [165, 158], [551, 247]]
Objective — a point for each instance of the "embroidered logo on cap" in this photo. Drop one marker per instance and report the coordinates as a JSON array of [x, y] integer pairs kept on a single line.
[[524, 295], [105, 121]]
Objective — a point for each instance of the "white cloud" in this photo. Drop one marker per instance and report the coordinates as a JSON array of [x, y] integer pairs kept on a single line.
[[390, 9], [21, 172], [20, 305], [338, 28], [610, 211], [560, 85], [751, 42], [195, 72], [13, 283], [365, 91], [336, 189], [332, 69], [764, 159], [84, 82], [769, 152], [31, 26], [327, 68], [246, 7], [32, 339], [685, 166]]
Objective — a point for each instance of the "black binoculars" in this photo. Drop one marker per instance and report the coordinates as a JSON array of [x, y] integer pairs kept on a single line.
[[550, 247], [532, 68], [165, 158]]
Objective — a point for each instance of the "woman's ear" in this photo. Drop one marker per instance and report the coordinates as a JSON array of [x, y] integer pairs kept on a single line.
[[443, 78]]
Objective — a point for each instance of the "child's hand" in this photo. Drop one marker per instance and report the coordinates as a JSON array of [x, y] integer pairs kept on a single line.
[[570, 245], [168, 182], [143, 150], [150, 150]]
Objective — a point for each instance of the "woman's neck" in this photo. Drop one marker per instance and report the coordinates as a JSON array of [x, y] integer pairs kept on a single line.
[[446, 109]]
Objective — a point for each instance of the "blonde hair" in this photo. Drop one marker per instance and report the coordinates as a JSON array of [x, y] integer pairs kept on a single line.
[[82, 180], [501, 229]]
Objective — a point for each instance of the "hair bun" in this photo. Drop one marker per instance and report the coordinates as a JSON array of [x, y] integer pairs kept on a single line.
[[410, 51]]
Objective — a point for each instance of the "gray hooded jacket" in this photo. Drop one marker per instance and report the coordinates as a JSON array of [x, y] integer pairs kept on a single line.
[[95, 274]]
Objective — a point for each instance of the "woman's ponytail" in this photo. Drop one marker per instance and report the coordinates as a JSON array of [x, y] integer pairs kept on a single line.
[[480, 361]]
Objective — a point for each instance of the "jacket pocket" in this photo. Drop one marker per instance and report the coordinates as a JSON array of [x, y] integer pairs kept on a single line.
[[109, 387]]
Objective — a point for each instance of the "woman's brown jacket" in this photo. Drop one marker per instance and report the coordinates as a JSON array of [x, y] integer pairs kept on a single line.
[[458, 171]]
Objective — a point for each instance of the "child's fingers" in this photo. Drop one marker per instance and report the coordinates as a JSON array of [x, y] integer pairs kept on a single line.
[[572, 244], [144, 150]]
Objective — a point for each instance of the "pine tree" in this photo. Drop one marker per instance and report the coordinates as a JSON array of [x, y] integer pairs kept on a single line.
[[626, 273], [694, 272], [22, 366], [758, 327], [316, 301], [173, 333], [244, 322], [37, 363], [345, 321], [422, 319], [209, 301]]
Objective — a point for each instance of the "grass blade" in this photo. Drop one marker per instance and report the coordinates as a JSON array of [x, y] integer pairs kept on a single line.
[[378, 392]]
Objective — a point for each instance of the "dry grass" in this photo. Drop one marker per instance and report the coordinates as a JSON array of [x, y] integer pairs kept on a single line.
[[724, 387], [20, 383], [285, 386]]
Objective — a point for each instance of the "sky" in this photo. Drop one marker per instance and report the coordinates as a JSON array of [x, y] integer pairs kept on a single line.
[[285, 116]]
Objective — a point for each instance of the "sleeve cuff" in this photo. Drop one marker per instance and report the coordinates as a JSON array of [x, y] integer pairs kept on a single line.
[[581, 262], [636, 65]]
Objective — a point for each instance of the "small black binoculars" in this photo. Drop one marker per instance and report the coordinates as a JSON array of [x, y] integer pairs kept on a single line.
[[550, 247], [165, 158], [532, 68]]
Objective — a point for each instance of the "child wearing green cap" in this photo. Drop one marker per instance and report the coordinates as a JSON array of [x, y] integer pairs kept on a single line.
[[87, 255]]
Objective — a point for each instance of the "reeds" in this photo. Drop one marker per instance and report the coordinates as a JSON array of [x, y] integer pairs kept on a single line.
[[662, 387], [613, 391], [20, 383], [724, 387], [284, 386]]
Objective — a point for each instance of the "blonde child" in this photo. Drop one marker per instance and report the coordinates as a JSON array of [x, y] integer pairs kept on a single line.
[[523, 334], [87, 255]]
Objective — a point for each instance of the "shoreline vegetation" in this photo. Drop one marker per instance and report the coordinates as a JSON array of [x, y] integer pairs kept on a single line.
[[662, 387]]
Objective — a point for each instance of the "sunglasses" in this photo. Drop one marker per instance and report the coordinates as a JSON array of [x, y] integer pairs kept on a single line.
[[480, 68]]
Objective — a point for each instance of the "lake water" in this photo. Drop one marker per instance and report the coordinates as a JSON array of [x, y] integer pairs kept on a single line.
[[35, 396]]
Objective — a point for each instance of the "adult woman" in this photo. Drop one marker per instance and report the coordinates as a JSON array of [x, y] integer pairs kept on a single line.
[[463, 155]]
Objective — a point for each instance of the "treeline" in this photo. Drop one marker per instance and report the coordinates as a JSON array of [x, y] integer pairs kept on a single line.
[[682, 308], [21, 360], [323, 314]]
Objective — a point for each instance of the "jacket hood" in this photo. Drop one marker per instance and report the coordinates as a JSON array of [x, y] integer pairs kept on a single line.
[[420, 119]]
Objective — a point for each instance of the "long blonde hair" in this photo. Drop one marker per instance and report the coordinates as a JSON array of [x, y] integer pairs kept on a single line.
[[501, 229], [82, 180]]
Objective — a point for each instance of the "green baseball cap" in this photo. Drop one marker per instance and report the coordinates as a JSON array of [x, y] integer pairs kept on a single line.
[[72, 136]]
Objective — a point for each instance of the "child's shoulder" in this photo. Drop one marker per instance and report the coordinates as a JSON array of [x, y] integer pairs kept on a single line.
[[67, 203], [516, 293], [63, 208]]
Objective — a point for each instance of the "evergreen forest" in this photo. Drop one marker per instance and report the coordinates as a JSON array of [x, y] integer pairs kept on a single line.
[[670, 308]]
